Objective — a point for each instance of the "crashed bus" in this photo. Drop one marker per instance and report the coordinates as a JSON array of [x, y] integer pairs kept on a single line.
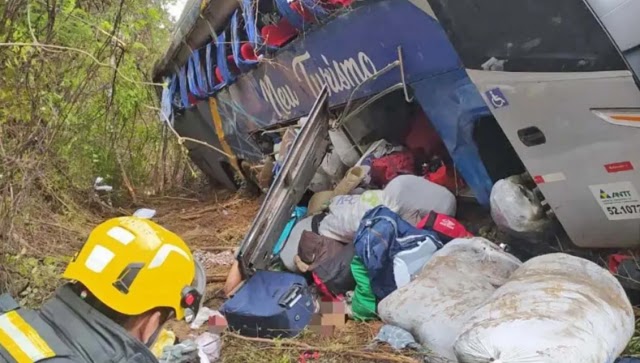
[[489, 100]]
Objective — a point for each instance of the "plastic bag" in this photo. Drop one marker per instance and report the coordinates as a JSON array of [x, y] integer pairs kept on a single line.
[[343, 147], [556, 308], [345, 213], [333, 167], [320, 182], [413, 198], [452, 285], [515, 208]]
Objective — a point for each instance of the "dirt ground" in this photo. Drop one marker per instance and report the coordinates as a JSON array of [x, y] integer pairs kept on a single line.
[[217, 226]]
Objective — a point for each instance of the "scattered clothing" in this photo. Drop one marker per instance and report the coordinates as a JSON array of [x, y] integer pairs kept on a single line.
[[363, 301], [165, 338], [396, 337], [325, 293], [185, 352], [388, 167], [209, 346]]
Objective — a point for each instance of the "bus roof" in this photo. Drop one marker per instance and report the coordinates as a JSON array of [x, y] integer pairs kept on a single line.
[[192, 31]]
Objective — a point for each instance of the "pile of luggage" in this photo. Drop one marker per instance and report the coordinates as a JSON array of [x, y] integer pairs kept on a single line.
[[385, 242]]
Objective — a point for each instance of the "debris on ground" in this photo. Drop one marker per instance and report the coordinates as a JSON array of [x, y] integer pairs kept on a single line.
[[203, 316], [210, 346], [210, 259]]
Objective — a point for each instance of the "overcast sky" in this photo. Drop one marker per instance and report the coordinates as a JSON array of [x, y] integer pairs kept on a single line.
[[176, 9]]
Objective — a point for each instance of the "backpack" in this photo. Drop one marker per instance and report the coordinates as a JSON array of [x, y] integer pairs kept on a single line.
[[329, 261], [381, 236], [447, 228]]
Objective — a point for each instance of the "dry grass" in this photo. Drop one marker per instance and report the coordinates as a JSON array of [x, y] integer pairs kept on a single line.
[[349, 344]]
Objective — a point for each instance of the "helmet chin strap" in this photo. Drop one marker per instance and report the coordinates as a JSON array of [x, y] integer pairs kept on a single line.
[[152, 339]]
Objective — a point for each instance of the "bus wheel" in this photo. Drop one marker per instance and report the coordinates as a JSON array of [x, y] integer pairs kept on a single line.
[[247, 182]]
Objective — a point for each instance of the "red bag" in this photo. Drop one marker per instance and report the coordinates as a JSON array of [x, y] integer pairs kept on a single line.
[[446, 227], [384, 169], [326, 295], [438, 172]]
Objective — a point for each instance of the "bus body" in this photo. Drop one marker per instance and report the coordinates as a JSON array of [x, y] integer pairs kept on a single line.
[[560, 85], [559, 76]]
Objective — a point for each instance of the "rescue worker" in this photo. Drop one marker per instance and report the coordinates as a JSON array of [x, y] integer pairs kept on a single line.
[[129, 278]]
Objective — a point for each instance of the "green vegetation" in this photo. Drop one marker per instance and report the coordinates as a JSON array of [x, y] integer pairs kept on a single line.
[[75, 104]]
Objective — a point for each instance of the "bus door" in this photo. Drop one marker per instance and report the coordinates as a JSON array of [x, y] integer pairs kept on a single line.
[[567, 99]]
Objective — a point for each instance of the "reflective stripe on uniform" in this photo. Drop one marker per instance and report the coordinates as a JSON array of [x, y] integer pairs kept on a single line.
[[22, 342]]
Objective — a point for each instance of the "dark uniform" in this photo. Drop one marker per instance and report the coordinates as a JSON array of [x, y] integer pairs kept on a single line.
[[66, 329]]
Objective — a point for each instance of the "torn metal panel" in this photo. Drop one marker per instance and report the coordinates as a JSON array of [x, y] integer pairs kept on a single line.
[[300, 165]]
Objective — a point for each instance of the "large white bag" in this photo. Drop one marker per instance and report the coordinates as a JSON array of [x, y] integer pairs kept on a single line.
[[556, 308], [414, 197], [457, 279], [345, 213]]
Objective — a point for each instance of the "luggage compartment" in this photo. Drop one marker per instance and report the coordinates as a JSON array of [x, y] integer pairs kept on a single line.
[[364, 133]]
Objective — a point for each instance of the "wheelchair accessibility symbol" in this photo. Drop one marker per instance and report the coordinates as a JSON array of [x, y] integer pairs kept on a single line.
[[496, 98]]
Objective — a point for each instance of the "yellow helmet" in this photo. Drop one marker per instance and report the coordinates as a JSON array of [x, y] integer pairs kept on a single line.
[[133, 265]]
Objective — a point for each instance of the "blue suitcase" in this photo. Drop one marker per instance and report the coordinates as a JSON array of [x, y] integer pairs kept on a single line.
[[270, 304]]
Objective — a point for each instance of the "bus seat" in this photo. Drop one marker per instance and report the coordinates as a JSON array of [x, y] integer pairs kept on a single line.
[[279, 34], [247, 52]]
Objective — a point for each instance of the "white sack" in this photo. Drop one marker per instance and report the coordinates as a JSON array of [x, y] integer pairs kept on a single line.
[[457, 279], [414, 197], [516, 208], [556, 308], [345, 213]]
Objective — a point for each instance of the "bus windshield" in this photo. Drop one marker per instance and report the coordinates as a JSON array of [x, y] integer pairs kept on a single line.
[[528, 35]]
